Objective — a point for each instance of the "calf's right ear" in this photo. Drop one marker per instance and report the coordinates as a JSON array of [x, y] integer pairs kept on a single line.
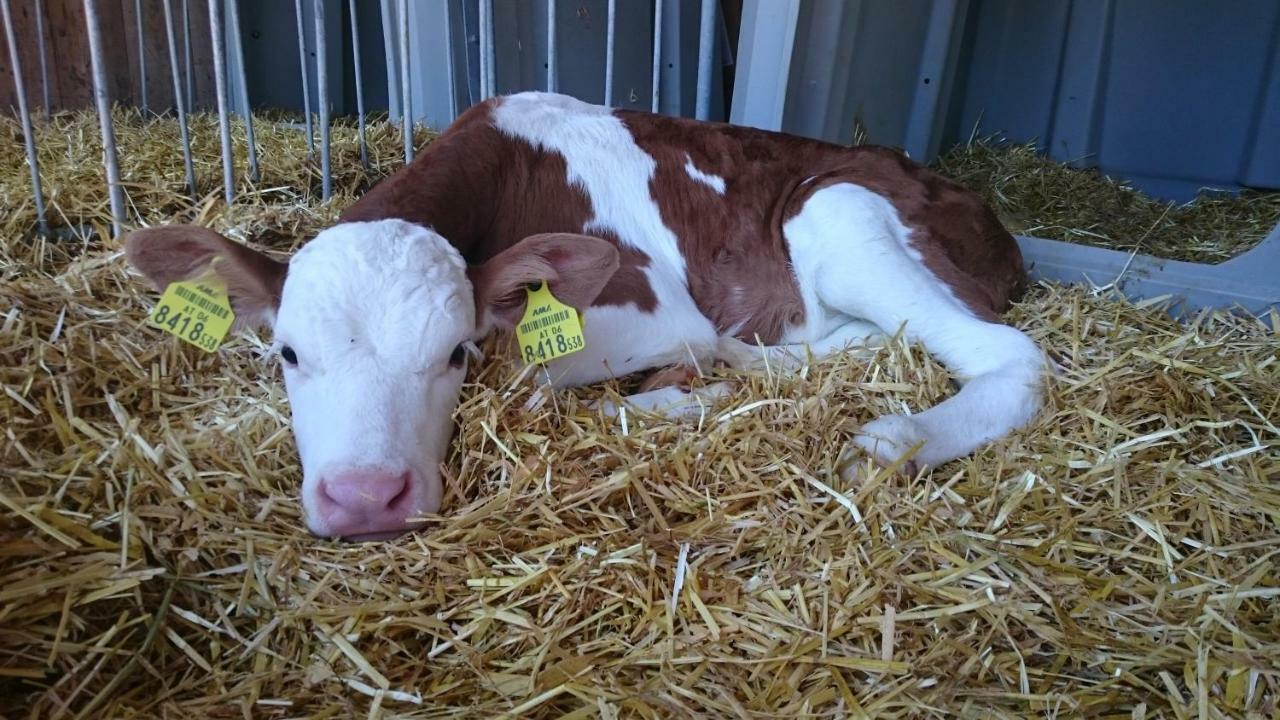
[[181, 252]]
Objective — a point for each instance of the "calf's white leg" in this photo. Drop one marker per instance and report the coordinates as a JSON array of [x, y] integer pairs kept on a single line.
[[855, 336], [674, 401], [850, 254]]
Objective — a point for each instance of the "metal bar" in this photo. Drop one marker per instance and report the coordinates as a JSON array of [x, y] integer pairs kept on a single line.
[[551, 45], [178, 100], [488, 54], [322, 97], [452, 85], [104, 115], [484, 51], [406, 97], [44, 55], [610, 35], [142, 50], [657, 53], [355, 54], [387, 17], [19, 85], [220, 84], [238, 48], [187, 53], [489, 46], [706, 47], [302, 65]]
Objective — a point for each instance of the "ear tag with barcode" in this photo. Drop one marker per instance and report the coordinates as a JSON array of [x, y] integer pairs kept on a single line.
[[549, 329], [197, 311]]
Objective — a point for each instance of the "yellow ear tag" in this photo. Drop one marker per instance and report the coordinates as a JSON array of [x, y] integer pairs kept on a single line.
[[197, 311], [549, 329]]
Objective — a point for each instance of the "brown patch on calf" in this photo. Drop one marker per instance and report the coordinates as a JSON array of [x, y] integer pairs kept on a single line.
[[736, 240], [485, 192], [737, 265]]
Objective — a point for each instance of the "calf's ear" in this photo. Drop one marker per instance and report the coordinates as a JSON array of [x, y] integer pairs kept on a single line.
[[181, 252], [576, 267]]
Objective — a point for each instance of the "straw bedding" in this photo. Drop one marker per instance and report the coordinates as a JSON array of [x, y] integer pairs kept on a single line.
[[1117, 559], [1036, 196]]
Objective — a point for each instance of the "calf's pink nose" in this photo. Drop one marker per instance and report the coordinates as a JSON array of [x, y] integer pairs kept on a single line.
[[365, 501]]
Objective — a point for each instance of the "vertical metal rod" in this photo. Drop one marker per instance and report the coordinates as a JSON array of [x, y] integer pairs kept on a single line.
[[237, 47], [490, 46], [453, 77], [657, 53], [706, 46], [220, 84], [104, 115], [19, 85], [187, 54], [483, 53], [486, 46], [406, 97], [178, 100], [44, 55], [142, 49], [322, 97], [608, 52], [302, 65], [551, 45], [355, 54]]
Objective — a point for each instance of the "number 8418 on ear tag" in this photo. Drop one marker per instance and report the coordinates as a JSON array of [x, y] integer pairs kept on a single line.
[[197, 311], [549, 329]]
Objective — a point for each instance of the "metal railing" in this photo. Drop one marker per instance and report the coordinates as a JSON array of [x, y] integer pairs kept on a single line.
[[228, 57]]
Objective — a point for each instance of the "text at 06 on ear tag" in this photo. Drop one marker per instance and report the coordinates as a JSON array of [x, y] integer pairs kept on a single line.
[[549, 329], [197, 311]]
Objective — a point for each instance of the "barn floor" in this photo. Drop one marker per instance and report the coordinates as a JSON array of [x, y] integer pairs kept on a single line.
[[1121, 558]]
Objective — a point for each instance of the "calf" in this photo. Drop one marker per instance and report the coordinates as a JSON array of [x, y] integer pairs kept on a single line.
[[679, 241]]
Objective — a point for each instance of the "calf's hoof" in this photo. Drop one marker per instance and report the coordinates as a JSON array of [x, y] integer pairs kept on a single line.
[[887, 439]]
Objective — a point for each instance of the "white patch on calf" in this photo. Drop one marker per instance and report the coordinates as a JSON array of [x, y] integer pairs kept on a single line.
[[603, 159], [373, 311], [715, 182], [852, 260]]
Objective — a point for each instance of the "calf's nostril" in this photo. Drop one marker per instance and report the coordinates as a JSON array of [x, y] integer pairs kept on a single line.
[[403, 495]]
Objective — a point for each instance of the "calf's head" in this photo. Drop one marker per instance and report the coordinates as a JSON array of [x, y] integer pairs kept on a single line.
[[374, 323]]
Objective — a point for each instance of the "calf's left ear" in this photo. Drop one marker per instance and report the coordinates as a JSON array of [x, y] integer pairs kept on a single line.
[[577, 268], [181, 252]]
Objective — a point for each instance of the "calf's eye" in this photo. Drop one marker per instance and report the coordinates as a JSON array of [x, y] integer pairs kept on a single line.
[[458, 356], [289, 355]]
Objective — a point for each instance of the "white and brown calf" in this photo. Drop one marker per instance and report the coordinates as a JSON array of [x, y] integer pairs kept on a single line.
[[672, 236]]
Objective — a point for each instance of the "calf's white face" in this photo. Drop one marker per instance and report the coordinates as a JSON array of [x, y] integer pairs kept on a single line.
[[374, 322], [373, 329]]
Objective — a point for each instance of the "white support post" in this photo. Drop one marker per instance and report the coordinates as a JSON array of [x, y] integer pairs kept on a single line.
[[765, 48], [657, 56], [706, 51]]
